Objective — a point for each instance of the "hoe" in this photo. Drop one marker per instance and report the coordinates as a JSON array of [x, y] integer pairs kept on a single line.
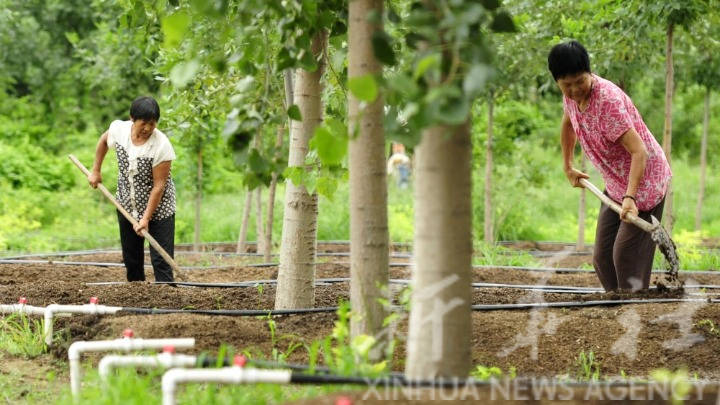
[[176, 269], [658, 234]]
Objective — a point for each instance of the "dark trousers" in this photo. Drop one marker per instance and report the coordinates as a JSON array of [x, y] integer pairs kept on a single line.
[[623, 253], [133, 248]]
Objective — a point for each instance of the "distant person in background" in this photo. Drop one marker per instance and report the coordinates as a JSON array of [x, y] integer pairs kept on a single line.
[[399, 165], [145, 188], [616, 140]]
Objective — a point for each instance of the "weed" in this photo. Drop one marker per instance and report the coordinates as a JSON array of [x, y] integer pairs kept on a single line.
[[485, 373], [21, 336], [346, 356], [710, 326], [678, 380], [588, 368], [277, 354]]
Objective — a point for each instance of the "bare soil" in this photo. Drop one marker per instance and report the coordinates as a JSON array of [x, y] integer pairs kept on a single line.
[[562, 333]]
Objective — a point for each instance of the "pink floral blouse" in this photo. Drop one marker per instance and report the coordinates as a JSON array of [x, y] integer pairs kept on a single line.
[[610, 113]]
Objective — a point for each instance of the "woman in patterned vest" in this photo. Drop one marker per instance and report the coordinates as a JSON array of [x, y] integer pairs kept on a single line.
[[614, 137], [145, 188]]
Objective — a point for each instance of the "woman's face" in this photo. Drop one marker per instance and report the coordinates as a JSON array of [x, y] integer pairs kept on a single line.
[[142, 129], [576, 87]]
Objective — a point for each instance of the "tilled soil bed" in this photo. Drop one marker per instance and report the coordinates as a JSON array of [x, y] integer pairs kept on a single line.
[[535, 342]]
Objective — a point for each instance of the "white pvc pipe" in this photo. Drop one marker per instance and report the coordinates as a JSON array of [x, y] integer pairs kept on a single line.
[[22, 309], [165, 360], [52, 309], [124, 344], [228, 375]]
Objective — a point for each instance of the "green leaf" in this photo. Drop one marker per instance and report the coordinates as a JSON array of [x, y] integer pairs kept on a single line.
[[382, 48], [256, 162], [454, 110], [426, 63], [336, 127], [330, 149], [183, 72], [295, 174], [294, 113], [174, 27], [490, 4], [308, 62], [503, 23], [301, 178], [283, 60], [326, 186], [476, 78], [72, 37], [403, 84], [363, 87]]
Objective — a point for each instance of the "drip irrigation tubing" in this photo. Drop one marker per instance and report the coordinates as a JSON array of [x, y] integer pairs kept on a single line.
[[559, 270], [479, 308], [105, 264], [225, 312], [557, 289], [574, 304]]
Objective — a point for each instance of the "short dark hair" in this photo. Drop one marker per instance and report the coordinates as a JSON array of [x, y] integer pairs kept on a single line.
[[145, 108], [567, 59]]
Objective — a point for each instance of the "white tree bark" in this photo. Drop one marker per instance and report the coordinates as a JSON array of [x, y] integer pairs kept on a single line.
[[242, 236], [488, 213], [259, 229], [703, 161], [296, 276], [270, 216], [667, 131], [369, 252], [440, 322], [198, 200]]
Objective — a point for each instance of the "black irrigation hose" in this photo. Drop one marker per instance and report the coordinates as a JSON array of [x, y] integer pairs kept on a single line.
[[479, 267], [104, 264], [488, 307], [574, 270], [573, 304], [226, 312], [324, 281]]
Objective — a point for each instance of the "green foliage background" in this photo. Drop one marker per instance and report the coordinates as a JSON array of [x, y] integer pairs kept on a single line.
[[68, 68]]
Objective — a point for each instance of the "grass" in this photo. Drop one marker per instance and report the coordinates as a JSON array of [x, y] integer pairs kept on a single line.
[[129, 386], [20, 335], [587, 367]]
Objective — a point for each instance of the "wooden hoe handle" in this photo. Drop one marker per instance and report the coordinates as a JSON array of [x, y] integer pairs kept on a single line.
[[637, 221], [145, 233]]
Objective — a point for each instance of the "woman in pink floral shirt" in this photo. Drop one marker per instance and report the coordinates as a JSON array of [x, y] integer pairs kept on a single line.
[[613, 136]]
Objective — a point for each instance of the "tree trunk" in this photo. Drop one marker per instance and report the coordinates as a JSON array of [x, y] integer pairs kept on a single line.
[[259, 230], [703, 160], [488, 220], [296, 276], [288, 79], [440, 323], [270, 216], [580, 246], [242, 237], [667, 132], [369, 252], [198, 200]]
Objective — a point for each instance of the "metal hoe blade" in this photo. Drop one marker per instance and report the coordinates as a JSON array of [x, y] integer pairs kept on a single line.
[[667, 247]]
